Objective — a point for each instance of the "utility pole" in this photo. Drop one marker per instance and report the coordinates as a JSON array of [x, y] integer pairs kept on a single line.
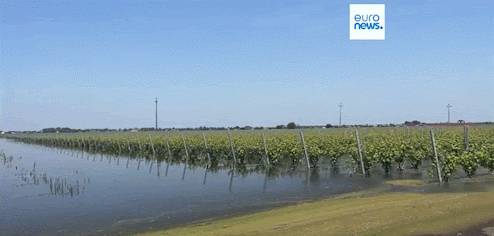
[[448, 106], [341, 105], [156, 113]]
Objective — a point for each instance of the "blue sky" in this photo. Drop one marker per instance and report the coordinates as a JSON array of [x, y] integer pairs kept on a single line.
[[228, 63]]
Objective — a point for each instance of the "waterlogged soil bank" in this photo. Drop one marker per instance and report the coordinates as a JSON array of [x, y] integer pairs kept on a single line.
[[478, 229], [414, 211]]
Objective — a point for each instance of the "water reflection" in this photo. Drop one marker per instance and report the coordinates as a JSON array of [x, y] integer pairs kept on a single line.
[[58, 186], [241, 168]]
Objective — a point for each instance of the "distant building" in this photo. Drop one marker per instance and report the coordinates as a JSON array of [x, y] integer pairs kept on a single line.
[[133, 130], [440, 124], [248, 128]]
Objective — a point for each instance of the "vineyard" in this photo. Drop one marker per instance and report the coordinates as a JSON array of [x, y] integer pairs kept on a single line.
[[468, 148]]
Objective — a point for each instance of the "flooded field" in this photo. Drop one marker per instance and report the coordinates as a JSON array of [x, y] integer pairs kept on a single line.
[[64, 192]]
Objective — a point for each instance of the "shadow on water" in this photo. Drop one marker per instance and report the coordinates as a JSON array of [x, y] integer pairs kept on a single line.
[[132, 195]]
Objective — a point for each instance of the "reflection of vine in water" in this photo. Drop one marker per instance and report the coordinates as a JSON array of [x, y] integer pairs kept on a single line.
[[249, 151], [282, 168], [244, 167], [58, 186], [314, 175]]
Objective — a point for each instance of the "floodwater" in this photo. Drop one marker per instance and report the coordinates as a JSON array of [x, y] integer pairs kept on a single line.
[[110, 196]]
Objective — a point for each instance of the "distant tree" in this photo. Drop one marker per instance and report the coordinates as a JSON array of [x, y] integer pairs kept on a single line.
[[280, 126], [291, 125], [65, 130], [49, 130], [415, 122], [329, 126]]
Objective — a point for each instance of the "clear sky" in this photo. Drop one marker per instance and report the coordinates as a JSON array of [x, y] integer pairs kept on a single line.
[[228, 63]]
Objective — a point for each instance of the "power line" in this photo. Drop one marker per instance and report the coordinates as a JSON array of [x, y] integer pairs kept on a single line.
[[341, 105], [156, 101], [448, 106]]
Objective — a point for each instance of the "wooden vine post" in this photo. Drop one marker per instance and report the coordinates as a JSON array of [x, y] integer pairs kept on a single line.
[[130, 152], [231, 145], [265, 148], [119, 148], [109, 159], [128, 145], [78, 146], [305, 149], [93, 151], [169, 155], [140, 146], [83, 147], [152, 146], [207, 150], [187, 156], [466, 137], [63, 146], [360, 153], [186, 152], [89, 145], [119, 151], [433, 140], [209, 158], [154, 153], [169, 151]]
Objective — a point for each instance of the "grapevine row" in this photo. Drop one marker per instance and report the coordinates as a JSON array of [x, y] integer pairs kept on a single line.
[[386, 147]]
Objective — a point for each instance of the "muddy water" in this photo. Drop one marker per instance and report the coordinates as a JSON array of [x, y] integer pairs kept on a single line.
[[46, 192]]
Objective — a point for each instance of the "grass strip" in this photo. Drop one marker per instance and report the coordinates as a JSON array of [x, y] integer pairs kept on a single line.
[[350, 214]]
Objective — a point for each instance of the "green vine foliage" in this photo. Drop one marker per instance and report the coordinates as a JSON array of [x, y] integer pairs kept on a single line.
[[380, 146]]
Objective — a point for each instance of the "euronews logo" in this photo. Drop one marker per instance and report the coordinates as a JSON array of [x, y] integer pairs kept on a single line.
[[367, 22]]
